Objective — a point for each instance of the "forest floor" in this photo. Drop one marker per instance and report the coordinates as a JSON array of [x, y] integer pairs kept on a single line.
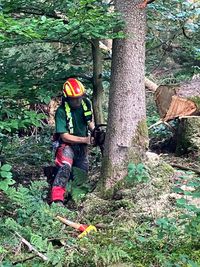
[[147, 223]]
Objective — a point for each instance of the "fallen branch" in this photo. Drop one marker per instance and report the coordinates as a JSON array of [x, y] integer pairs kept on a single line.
[[150, 85], [31, 248], [185, 117], [155, 124], [184, 168], [172, 129]]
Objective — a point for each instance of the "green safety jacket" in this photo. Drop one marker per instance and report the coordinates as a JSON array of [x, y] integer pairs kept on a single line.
[[87, 115]]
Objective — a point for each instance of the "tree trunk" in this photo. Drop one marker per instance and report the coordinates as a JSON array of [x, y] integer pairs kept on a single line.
[[126, 137], [188, 135], [97, 82]]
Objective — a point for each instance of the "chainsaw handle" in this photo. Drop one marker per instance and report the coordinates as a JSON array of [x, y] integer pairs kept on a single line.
[[97, 127]]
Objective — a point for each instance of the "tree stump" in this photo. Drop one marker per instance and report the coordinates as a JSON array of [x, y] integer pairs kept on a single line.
[[182, 101], [178, 100], [188, 135]]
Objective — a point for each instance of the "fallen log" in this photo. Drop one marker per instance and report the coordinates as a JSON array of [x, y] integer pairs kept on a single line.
[[178, 100]]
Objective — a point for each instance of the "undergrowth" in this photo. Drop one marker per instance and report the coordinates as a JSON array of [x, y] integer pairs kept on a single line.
[[158, 242], [167, 241]]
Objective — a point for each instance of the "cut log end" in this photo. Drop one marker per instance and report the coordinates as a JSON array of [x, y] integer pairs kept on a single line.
[[178, 100]]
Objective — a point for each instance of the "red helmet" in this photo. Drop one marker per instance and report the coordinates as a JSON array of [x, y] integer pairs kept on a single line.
[[73, 88]]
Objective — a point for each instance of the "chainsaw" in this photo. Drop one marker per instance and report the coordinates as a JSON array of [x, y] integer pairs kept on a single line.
[[99, 134]]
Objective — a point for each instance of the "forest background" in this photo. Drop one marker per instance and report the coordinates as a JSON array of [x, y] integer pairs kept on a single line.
[[151, 220]]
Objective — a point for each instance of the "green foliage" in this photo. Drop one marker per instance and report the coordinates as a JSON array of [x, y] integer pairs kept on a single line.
[[136, 174], [172, 39], [45, 46], [10, 27], [109, 254], [33, 219], [82, 19], [5, 177], [167, 242], [39, 49], [18, 121], [79, 186], [191, 217], [32, 70]]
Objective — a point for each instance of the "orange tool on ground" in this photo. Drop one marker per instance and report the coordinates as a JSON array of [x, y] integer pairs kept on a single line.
[[85, 229]]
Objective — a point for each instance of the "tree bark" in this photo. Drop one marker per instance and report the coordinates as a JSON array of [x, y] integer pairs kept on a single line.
[[188, 136], [97, 82], [126, 138]]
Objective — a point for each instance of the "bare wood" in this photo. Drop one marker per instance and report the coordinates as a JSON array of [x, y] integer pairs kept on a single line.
[[186, 117], [180, 107], [178, 100], [156, 124], [150, 85], [31, 248], [145, 3], [160, 122]]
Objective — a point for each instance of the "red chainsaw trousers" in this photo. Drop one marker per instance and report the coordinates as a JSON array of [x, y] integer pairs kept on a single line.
[[66, 157]]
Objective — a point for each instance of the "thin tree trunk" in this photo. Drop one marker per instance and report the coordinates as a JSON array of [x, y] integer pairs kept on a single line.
[[126, 137], [97, 82]]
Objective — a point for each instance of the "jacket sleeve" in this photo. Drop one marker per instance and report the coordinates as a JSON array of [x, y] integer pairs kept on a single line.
[[61, 121]]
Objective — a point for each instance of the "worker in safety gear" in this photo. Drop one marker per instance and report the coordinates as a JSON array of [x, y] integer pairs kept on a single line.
[[73, 119]]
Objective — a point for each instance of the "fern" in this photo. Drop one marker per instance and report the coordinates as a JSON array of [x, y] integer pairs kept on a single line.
[[38, 189], [20, 196], [79, 186], [38, 242], [109, 254], [11, 224], [56, 256]]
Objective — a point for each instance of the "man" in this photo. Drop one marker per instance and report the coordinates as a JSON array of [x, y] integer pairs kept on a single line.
[[73, 119]]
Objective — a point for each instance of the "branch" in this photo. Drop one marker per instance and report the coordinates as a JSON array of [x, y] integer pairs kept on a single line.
[[62, 79], [162, 122], [31, 248], [184, 168], [150, 85], [38, 41], [155, 124], [33, 11], [184, 33]]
